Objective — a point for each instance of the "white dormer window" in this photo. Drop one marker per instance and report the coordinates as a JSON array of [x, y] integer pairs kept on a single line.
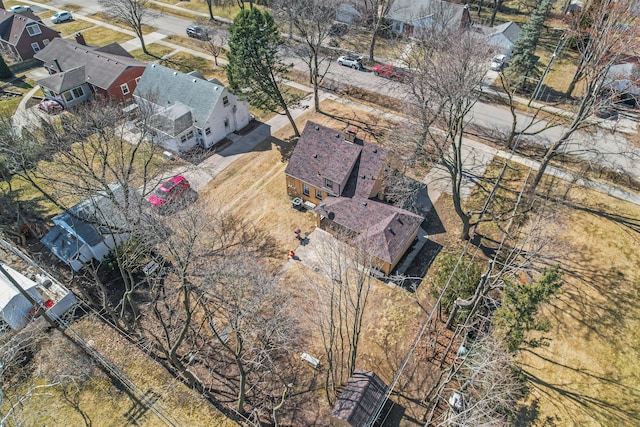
[[125, 89], [34, 29], [35, 46], [328, 183]]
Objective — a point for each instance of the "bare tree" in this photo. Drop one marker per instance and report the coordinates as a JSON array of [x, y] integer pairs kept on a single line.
[[612, 34], [313, 19], [249, 317], [449, 68], [134, 13], [341, 285], [377, 10]]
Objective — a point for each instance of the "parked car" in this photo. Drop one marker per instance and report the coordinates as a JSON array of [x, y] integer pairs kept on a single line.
[[169, 191], [198, 32], [389, 71], [61, 16], [498, 63], [354, 62], [19, 9]]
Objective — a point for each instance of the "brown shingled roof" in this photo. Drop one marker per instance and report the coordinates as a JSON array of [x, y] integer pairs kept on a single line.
[[323, 152], [382, 229]]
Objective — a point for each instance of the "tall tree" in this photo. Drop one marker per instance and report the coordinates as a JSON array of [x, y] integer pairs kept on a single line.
[[612, 35], [448, 69], [378, 11], [255, 70], [522, 65], [134, 13], [313, 20]]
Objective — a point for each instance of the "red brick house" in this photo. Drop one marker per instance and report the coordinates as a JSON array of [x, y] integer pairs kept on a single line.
[[342, 176], [23, 35], [79, 72]]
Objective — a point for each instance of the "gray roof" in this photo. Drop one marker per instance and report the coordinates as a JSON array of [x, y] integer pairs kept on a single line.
[[411, 10], [103, 65], [510, 30], [173, 120], [67, 80], [359, 398], [164, 87]]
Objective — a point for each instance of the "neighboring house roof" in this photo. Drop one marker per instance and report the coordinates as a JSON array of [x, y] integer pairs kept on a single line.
[[323, 152], [409, 11], [383, 230], [102, 65], [12, 25], [13, 305], [64, 81], [624, 78], [510, 31], [83, 222], [360, 398], [165, 87]]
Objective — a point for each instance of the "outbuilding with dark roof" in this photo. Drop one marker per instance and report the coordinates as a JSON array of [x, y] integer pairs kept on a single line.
[[359, 400]]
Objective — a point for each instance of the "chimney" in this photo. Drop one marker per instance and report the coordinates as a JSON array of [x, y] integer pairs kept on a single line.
[[350, 134], [79, 38], [465, 20], [55, 60]]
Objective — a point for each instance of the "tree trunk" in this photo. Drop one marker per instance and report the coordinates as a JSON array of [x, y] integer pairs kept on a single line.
[[292, 121], [241, 386], [144, 47], [372, 45], [496, 6], [210, 6]]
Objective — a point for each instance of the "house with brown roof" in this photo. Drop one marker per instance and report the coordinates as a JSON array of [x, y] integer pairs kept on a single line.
[[341, 177], [78, 72], [359, 400], [23, 35]]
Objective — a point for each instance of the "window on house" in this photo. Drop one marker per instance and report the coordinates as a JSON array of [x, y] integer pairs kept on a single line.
[[190, 134], [328, 183], [124, 88], [45, 42], [35, 47], [68, 96], [183, 138], [78, 92], [137, 80], [305, 190], [34, 29], [318, 194], [207, 131], [226, 123], [225, 100]]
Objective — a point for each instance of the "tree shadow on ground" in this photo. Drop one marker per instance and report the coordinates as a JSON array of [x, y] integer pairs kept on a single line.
[[285, 147]]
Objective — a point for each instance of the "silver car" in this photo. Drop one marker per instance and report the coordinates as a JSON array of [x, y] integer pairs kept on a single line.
[[61, 16], [354, 62]]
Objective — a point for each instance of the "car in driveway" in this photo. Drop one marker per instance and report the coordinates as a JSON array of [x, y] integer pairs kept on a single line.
[[389, 71], [498, 63], [354, 62], [169, 191], [19, 9], [61, 16], [197, 32]]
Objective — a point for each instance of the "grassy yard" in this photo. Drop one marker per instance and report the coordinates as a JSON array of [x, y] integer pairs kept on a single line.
[[588, 375], [193, 44], [186, 63], [101, 36], [101, 16], [156, 51], [70, 27]]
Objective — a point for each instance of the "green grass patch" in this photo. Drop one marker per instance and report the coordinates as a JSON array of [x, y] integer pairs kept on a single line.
[[9, 105], [223, 12], [156, 51], [172, 11], [194, 44], [48, 14], [110, 19], [186, 63], [71, 27], [101, 36]]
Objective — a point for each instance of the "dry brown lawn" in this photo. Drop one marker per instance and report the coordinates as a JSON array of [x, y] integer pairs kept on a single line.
[[589, 374]]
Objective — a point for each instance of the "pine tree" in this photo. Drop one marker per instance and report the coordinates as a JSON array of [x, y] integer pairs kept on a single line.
[[254, 70], [5, 72], [522, 65]]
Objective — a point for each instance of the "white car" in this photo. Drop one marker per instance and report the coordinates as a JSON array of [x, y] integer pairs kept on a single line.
[[351, 61], [19, 9], [61, 16], [498, 62]]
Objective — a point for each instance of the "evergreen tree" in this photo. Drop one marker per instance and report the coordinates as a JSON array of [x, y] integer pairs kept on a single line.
[[5, 72], [522, 65], [254, 70]]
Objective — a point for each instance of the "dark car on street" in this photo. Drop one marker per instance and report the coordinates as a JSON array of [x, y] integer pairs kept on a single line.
[[197, 32]]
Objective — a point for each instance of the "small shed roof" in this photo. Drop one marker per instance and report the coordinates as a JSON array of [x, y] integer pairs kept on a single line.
[[360, 398], [13, 305]]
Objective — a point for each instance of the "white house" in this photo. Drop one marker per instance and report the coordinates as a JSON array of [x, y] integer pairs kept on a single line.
[[93, 227], [503, 37], [413, 17], [188, 110], [15, 308]]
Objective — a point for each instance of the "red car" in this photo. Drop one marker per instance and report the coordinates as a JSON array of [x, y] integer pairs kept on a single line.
[[388, 71], [169, 191]]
